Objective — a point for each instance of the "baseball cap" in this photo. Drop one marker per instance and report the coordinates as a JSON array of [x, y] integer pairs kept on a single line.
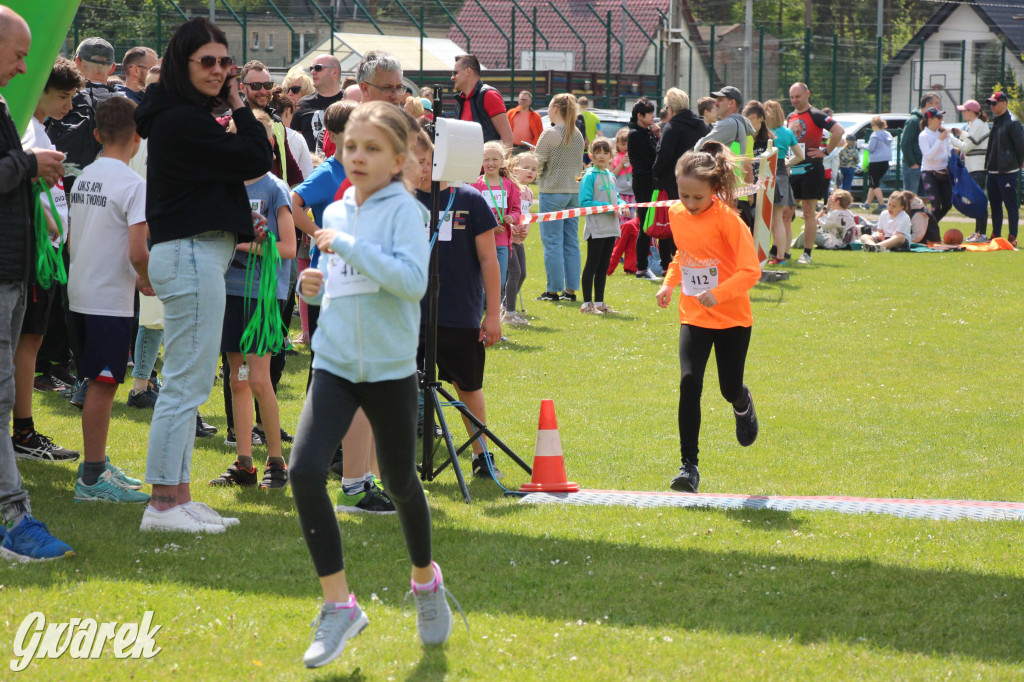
[[96, 51], [427, 104], [998, 97], [970, 105], [730, 92], [934, 113]]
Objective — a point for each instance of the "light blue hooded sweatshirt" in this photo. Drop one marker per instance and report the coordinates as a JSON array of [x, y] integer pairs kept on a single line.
[[367, 337]]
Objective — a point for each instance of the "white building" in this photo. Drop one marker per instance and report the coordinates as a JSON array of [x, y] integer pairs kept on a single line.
[[961, 37]]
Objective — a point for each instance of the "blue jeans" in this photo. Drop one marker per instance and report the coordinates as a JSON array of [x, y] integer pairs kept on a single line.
[[13, 296], [188, 277], [847, 178], [561, 241], [911, 179], [503, 265], [147, 348]]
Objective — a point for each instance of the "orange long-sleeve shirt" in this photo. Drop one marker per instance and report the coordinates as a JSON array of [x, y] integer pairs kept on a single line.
[[714, 245]]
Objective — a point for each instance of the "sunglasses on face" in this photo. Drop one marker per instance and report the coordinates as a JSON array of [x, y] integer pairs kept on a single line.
[[390, 90], [267, 85], [317, 68], [295, 89], [208, 61]]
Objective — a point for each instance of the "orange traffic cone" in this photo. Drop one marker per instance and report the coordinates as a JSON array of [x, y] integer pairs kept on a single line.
[[548, 465]]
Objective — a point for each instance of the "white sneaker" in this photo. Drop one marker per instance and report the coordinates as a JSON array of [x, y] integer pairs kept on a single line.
[[206, 514], [805, 259], [176, 519]]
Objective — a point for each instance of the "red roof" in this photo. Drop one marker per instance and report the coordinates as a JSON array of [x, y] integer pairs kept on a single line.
[[491, 48]]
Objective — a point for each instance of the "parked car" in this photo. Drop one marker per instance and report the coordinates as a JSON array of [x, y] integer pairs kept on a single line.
[[610, 119], [859, 125]]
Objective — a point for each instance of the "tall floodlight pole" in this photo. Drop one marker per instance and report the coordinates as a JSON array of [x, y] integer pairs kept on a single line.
[[748, 33]]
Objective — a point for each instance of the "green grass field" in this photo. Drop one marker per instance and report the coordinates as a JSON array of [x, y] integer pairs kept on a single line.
[[883, 375]]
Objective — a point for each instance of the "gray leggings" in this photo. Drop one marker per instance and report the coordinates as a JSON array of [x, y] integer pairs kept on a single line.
[[516, 274], [330, 405]]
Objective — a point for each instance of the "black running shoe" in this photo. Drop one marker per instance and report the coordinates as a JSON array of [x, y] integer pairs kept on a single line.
[[548, 296], [204, 430], [143, 399], [258, 437], [63, 375], [687, 480], [36, 446], [567, 297], [229, 439], [746, 423], [46, 382], [480, 469], [275, 475], [287, 437], [371, 500], [236, 475]]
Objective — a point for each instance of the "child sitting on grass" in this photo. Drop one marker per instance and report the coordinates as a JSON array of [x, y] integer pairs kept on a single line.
[[837, 226], [893, 231]]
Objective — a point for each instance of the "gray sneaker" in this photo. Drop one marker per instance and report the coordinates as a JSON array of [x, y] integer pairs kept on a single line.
[[332, 630], [433, 615]]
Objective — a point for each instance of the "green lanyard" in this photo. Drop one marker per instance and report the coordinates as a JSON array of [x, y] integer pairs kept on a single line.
[[266, 331], [612, 198], [494, 201], [49, 261]]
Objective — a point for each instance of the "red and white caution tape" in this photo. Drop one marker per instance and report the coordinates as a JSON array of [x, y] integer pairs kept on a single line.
[[746, 190]]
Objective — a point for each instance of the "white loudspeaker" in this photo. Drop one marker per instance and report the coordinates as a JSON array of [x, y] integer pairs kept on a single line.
[[458, 151]]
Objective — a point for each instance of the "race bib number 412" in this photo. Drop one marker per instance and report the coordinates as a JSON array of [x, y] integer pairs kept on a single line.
[[699, 280]]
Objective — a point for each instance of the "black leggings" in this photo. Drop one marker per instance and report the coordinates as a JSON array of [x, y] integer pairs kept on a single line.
[[330, 405], [694, 350], [937, 188], [595, 270], [981, 223]]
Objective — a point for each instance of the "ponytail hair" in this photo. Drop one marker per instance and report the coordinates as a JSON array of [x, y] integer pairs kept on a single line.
[[569, 108], [713, 164]]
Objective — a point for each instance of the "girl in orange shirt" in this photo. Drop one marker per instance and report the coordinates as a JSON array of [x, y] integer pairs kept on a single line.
[[716, 262]]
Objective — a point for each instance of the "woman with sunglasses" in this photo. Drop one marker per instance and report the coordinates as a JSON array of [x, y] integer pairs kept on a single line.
[[297, 84], [197, 209]]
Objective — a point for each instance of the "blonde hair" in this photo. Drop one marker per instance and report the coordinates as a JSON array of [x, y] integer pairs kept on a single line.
[[390, 121], [296, 76], [498, 146], [773, 115], [843, 197], [713, 164], [677, 100], [414, 104], [422, 143], [621, 137], [879, 123], [264, 118], [567, 106]]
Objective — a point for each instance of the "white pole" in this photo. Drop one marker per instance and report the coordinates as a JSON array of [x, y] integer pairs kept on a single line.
[[747, 51]]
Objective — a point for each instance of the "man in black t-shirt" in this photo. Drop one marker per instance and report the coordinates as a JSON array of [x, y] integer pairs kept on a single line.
[[309, 115]]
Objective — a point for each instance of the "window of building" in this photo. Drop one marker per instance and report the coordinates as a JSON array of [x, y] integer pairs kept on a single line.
[[270, 40], [983, 48], [950, 49], [255, 40]]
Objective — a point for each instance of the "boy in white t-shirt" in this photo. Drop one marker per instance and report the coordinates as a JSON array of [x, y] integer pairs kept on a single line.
[[55, 103], [837, 226], [109, 259]]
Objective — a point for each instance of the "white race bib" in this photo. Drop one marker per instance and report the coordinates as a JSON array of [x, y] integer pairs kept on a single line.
[[525, 205], [496, 199], [444, 230], [699, 280], [345, 280]]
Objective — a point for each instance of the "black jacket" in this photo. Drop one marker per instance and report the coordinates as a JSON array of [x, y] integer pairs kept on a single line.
[[678, 136], [642, 147], [196, 168], [17, 168], [476, 104], [1006, 143]]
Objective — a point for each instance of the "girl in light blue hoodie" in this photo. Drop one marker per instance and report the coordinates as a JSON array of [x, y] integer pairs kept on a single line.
[[368, 284]]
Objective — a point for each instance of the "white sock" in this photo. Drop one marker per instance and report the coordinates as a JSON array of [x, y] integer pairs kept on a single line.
[[354, 486], [599, 303]]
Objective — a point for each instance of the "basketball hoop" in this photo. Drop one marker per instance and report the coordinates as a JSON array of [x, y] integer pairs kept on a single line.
[[936, 86]]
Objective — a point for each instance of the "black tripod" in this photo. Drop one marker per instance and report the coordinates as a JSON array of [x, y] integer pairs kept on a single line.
[[433, 392]]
